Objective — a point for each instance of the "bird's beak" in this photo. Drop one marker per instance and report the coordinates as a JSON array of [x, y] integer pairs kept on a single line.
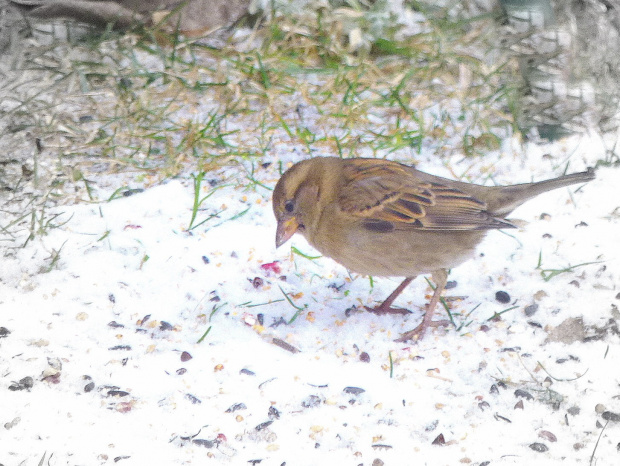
[[286, 229]]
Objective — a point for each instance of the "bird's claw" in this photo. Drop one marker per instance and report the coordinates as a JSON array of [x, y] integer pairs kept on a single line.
[[417, 333], [383, 310]]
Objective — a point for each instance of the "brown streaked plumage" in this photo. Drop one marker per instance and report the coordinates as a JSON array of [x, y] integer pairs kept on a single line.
[[382, 218]]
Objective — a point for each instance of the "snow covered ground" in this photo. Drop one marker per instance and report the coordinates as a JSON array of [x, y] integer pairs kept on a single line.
[[146, 344]]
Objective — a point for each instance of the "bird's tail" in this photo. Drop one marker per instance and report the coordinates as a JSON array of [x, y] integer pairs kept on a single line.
[[512, 197]]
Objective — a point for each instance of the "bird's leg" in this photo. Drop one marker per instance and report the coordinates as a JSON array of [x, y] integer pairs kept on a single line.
[[386, 306], [440, 277]]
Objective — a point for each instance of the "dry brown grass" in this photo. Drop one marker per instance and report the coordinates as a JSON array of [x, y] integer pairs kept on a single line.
[[152, 107]]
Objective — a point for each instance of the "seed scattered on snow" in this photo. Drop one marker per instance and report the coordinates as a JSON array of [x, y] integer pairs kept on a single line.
[[531, 310], [514, 349], [610, 416], [273, 413], [185, 356], [49, 372], [120, 348], [163, 326], [545, 434], [540, 295], [192, 399], [552, 398], [144, 320], [236, 407], [284, 345], [502, 297], [249, 319], [439, 440], [40, 343], [55, 363], [89, 387], [364, 357], [353, 390], [432, 426], [382, 446], [519, 405], [203, 443], [311, 401], [124, 407], [260, 387], [350, 311], [263, 425], [13, 423], [523, 394], [484, 405], [539, 447], [25, 383], [272, 267], [131, 192]]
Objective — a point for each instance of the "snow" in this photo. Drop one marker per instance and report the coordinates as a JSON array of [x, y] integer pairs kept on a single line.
[[133, 295]]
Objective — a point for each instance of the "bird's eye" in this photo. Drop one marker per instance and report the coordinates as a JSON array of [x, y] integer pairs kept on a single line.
[[289, 206]]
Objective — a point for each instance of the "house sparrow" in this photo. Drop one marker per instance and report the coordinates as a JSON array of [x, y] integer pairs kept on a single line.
[[382, 218]]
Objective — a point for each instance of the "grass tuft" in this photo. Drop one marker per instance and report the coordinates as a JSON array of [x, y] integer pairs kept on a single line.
[[340, 81]]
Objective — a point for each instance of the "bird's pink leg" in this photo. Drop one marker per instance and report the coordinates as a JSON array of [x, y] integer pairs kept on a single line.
[[386, 306], [440, 277]]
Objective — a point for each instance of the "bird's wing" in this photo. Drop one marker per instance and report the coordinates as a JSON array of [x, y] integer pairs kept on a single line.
[[386, 196]]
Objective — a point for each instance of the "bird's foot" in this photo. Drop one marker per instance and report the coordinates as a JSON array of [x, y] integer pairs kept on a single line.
[[417, 333], [383, 310]]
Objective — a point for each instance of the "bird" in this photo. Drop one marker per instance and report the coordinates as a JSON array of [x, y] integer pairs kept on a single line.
[[382, 218]]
